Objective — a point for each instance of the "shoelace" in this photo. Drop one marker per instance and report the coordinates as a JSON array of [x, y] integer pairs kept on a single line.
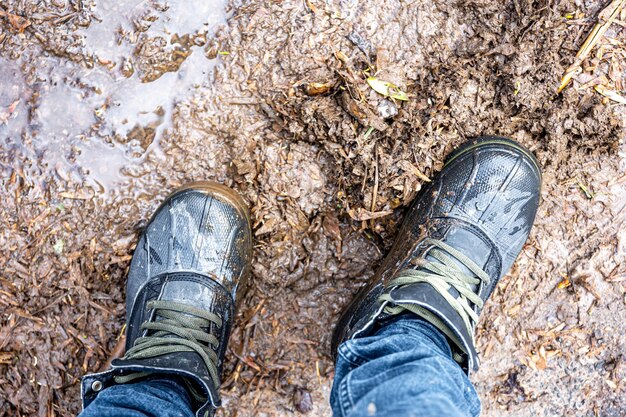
[[442, 275], [180, 329]]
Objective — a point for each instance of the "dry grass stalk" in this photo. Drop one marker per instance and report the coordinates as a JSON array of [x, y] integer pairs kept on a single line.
[[605, 19]]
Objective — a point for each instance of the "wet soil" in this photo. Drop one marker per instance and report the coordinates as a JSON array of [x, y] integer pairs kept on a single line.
[[106, 106]]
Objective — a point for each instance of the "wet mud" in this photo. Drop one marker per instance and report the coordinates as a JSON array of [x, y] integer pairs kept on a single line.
[[106, 106]]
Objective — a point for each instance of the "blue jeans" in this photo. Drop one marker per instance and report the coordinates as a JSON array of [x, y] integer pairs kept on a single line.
[[404, 370]]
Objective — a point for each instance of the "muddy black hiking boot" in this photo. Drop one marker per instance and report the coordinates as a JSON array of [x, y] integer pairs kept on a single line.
[[459, 237], [182, 289]]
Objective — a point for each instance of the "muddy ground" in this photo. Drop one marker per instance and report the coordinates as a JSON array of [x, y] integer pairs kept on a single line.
[[105, 106]]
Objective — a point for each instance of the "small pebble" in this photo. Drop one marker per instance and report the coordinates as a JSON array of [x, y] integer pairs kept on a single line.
[[303, 401], [387, 109]]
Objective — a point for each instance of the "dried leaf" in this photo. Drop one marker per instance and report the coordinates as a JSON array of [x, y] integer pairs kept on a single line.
[[406, 166], [362, 113], [331, 226], [564, 284], [541, 363], [311, 6], [267, 227], [360, 214], [315, 89], [73, 196], [6, 357], [611, 94], [18, 22], [341, 56], [387, 89]]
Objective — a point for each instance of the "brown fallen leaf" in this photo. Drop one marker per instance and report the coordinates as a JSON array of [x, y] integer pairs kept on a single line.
[[6, 357], [73, 196], [267, 227], [330, 223], [311, 6], [406, 166], [362, 113], [316, 89], [611, 94], [331, 226], [341, 56], [360, 214], [18, 23]]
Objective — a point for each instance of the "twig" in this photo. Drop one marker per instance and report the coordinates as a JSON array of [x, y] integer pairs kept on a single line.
[[375, 190]]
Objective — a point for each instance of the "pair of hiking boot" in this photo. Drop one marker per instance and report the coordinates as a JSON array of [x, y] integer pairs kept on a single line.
[[459, 237]]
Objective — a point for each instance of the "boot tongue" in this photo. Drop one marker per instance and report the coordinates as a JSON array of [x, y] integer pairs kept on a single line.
[[192, 289], [424, 295], [193, 293], [468, 243], [197, 291], [472, 245]]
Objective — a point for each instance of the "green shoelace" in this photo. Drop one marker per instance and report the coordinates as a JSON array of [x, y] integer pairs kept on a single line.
[[442, 274], [186, 322]]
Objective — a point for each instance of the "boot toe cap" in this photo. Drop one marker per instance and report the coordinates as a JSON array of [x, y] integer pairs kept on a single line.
[[497, 188], [202, 228]]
